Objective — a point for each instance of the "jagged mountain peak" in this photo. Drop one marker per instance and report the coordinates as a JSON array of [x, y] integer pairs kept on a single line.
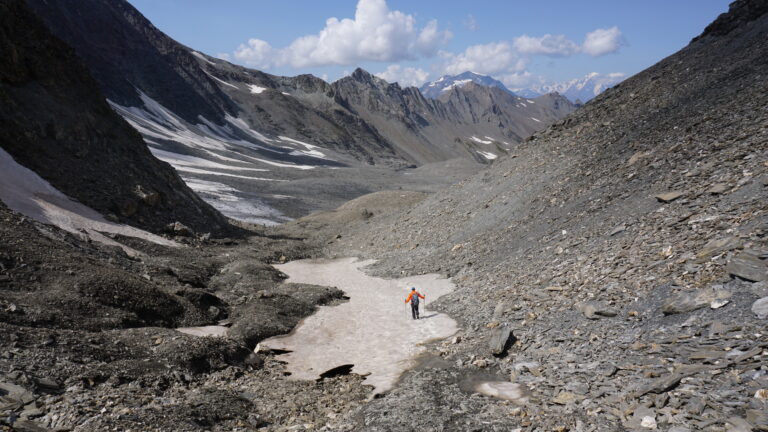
[[361, 75], [447, 82]]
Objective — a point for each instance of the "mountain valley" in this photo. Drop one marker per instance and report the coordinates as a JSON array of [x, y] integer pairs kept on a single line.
[[597, 267]]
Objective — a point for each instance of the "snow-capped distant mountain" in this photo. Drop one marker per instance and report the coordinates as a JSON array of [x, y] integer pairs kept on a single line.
[[434, 89], [578, 89]]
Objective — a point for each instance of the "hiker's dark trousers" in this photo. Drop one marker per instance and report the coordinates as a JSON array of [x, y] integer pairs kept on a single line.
[[415, 310]]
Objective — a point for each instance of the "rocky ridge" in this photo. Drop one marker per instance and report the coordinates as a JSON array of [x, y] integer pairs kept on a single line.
[[193, 85]]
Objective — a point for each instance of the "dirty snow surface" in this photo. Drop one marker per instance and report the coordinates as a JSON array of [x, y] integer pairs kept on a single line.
[[373, 331], [22, 190]]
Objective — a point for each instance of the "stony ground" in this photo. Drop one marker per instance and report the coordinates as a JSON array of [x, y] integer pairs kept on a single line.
[[625, 248], [87, 340]]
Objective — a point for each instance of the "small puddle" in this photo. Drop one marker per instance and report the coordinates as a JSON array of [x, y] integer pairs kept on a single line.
[[373, 332]]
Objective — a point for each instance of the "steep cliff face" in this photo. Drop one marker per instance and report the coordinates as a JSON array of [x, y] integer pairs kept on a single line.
[[55, 121], [125, 52]]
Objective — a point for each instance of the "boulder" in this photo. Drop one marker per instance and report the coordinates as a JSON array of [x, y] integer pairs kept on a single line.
[[750, 265], [718, 246], [690, 301], [148, 197], [596, 309], [760, 308], [179, 229], [499, 339]]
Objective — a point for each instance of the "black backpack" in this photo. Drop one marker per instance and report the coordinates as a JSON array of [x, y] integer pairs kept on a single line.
[[415, 299]]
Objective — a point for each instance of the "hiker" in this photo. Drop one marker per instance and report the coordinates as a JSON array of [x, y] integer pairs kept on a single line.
[[413, 297]]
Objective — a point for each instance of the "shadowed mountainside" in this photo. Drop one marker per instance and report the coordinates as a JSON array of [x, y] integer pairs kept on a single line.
[[55, 121]]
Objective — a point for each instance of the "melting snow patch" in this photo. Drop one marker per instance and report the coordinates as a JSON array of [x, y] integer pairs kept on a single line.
[[206, 172], [530, 101], [310, 149], [155, 123], [201, 57], [457, 83], [535, 119], [256, 89], [373, 331], [23, 191], [180, 160], [204, 331], [487, 155], [481, 141], [503, 390], [223, 82], [231, 203]]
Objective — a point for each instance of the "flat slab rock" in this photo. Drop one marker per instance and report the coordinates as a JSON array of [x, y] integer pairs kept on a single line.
[[596, 309], [669, 196], [373, 331], [693, 300], [750, 265]]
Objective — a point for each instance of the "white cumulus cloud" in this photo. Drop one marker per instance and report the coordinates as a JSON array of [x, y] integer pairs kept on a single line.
[[517, 79], [376, 33], [256, 52], [485, 59], [603, 41], [406, 77], [550, 45]]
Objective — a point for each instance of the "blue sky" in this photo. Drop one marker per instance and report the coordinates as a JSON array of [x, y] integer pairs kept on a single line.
[[519, 42]]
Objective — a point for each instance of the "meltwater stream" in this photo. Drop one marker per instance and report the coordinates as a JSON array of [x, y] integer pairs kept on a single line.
[[373, 331]]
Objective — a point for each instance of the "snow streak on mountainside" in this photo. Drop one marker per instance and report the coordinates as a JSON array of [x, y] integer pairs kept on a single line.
[[236, 157]]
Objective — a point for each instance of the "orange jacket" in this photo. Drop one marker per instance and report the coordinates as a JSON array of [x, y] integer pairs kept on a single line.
[[411, 295]]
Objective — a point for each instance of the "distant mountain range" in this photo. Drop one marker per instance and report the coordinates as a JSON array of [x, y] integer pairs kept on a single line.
[[578, 90]]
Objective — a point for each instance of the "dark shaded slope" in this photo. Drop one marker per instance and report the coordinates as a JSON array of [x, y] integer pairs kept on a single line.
[[125, 52], [54, 120]]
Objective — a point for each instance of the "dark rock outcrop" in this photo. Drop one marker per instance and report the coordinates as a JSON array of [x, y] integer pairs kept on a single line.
[[55, 121]]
